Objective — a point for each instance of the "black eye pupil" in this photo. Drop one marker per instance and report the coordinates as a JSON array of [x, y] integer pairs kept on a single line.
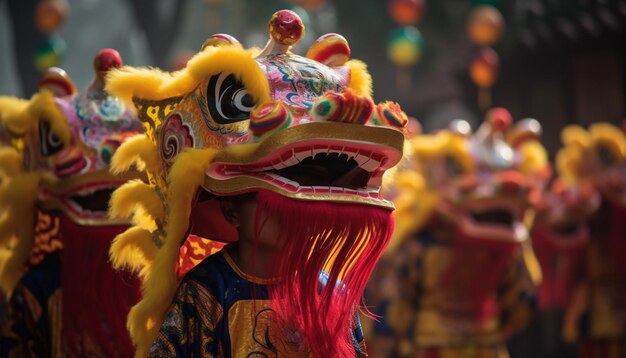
[[453, 168], [247, 101], [605, 156], [50, 142], [228, 100]]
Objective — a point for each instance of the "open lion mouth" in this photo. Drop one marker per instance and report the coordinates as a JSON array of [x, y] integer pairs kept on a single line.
[[500, 217], [327, 170], [337, 168], [337, 162], [86, 203], [95, 203]]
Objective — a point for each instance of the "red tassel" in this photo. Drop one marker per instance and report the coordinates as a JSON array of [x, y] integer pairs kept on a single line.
[[343, 240], [490, 258], [96, 298]]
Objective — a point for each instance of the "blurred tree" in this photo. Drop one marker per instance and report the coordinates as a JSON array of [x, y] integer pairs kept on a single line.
[[160, 20], [26, 40]]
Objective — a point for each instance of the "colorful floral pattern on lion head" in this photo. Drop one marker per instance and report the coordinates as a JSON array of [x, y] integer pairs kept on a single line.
[[482, 183], [241, 120]]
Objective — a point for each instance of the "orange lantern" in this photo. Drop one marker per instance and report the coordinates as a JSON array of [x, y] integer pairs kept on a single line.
[[406, 12], [485, 25], [50, 15], [484, 68]]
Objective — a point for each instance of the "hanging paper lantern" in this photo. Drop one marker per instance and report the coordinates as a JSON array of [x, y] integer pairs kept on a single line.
[[50, 53], [50, 15], [405, 46], [484, 68], [406, 12], [485, 25]]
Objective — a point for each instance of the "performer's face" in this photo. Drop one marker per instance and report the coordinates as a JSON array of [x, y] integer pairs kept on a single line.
[[241, 211]]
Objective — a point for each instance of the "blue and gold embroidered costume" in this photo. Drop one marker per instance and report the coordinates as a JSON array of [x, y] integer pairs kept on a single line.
[[220, 311]]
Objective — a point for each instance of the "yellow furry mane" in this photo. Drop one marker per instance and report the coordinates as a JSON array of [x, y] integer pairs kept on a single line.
[[154, 84]]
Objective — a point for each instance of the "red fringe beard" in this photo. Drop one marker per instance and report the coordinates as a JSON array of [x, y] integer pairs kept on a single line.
[[341, 240], [488, 258], [96, 297]]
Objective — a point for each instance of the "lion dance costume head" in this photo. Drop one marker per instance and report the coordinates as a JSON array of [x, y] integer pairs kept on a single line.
[[301, 132], [474, 192], [58, 146]]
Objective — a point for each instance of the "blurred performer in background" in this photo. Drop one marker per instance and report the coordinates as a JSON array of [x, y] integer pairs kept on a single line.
[[464, 267], [560, 237], [64, 298], [597, 157], [281, 153]]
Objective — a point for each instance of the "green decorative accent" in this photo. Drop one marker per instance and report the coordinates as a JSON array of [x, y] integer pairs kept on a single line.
[[376, 121], [323, 108]]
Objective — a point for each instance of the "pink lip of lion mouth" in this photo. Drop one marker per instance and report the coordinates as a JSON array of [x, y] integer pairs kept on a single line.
[[296, 169]]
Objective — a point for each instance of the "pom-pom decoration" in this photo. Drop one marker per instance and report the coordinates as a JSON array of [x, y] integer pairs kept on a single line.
[[268, 117], [346, 107], [330, 49], [390, 114], [286, 27]]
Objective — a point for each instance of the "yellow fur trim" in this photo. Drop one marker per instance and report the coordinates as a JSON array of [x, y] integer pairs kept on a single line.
[[133, 194], [413, 210], [575, 135], [534, 157], [610, 136], [133, 250], [11, 109], [575, 142], [185, 177], [10, 162], [21, 196], [360, 78], [7, 228], [430, 147], [153, 84], [22, 119], [138, 150], [42, 106]]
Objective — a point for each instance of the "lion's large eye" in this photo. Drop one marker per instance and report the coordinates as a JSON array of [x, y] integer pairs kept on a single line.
[[228, 100], [605, 156], [453, 167], [50, 142]]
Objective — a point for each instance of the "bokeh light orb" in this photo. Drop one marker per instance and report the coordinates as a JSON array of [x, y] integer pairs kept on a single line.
[[49, 54], [484, 68], [50, 15], [405, 46], [485, 25], [406, 12]]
